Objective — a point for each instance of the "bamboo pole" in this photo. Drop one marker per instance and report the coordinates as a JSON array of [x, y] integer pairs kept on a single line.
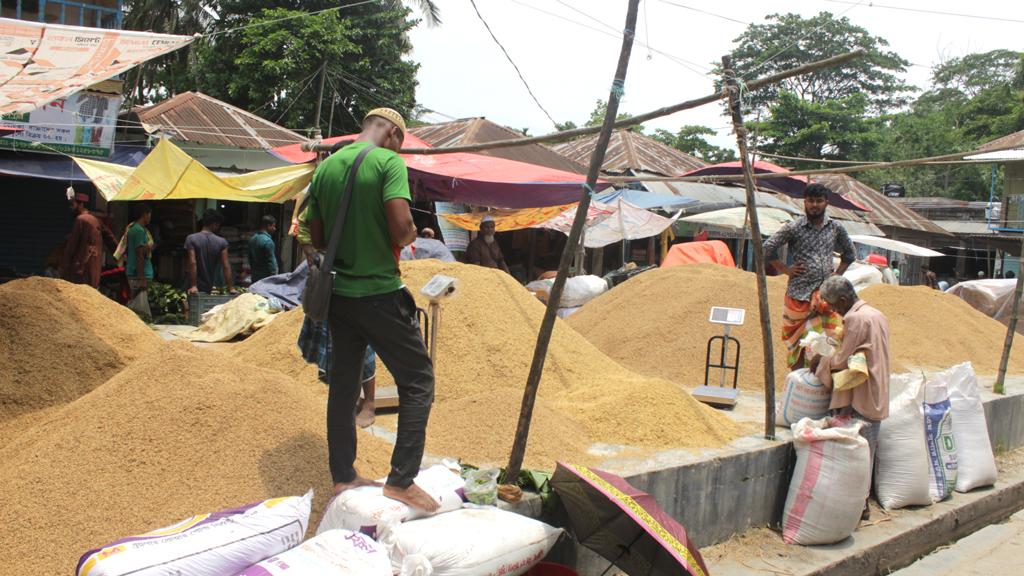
[[755, 233], [839, 170], [625, 122], [515, 461], [1000, 386]]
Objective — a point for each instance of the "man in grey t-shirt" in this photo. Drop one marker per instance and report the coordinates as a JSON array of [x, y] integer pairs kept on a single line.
[[207, 264]]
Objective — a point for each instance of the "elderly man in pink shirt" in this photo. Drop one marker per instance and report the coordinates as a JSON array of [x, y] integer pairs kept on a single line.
[[865, 331]]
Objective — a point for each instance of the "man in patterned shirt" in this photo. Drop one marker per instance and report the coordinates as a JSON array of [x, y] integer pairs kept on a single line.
[[811, 239]]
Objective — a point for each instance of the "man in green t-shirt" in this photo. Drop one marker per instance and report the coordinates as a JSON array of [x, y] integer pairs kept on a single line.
[[138, 254], [370, 303]]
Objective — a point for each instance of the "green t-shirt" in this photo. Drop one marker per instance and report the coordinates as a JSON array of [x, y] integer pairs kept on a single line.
[[366, 264], [137, 236]]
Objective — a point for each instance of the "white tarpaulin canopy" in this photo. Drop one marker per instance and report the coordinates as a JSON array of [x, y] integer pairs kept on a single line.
[[770, 219], [625, 222], [895, 246], [41, 63]]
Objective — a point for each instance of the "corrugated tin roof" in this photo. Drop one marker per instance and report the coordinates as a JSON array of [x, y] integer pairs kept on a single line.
[[632, 152], [196, 117], [883, 211], [928, 202], [482, 130], [962, 227], [1015, 140]]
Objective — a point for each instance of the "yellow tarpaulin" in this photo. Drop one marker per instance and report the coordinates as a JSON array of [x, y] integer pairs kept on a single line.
[[168, 173], [507, 220]]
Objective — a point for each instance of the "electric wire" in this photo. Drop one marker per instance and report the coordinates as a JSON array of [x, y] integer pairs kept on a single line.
[[512, 62]]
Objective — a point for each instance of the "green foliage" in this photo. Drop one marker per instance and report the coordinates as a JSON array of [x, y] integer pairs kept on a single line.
[[362, 49], [273, 69], [691, 140], [599, 111], [834, 129], [166, 303], [786, 41], [975, 99]]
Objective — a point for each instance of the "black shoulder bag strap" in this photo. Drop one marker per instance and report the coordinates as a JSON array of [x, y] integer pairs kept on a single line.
[[346, 199]]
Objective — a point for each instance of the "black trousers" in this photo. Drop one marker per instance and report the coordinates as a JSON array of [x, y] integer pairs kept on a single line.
[[388, 322]]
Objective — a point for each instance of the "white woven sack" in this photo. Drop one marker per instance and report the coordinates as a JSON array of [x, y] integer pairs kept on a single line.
[[830, 482], [901, 467], [976, 465], [468, 542], [805, 397], [333, 553], [362, 509], [216, 544]]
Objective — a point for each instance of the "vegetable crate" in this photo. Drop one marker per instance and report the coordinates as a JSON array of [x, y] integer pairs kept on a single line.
[[199, 304]]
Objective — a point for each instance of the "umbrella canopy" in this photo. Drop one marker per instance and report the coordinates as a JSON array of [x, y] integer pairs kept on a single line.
[[895, 246], [624, 525], [788, 185], [622, 221], [770, 219], [474, 178]]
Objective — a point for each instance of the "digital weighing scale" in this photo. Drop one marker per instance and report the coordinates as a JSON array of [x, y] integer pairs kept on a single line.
[[720, 395]]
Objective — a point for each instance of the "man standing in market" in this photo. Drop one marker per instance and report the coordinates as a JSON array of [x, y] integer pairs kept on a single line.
[[207, 257], [811, 239], [858, 372], [262, 252], [82, 259], [371, 304], [138, 252], [484, 250]]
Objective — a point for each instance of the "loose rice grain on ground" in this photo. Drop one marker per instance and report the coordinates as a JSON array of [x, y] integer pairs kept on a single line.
[[180, 432]]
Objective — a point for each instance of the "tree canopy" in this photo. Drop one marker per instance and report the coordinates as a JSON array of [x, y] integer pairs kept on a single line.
[[268, 57]]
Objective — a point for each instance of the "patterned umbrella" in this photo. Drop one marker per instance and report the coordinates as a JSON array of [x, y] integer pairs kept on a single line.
[[625, 525]]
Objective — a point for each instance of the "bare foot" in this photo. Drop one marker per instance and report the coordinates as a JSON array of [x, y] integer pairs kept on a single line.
[[367, 414], [413, 496], [357, 483]]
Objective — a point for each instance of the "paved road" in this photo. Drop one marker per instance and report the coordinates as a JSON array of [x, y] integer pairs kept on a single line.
[[992, 551]]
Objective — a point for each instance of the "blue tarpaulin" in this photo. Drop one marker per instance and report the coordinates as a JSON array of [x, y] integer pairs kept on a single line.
[[646, 200], [59, 167]]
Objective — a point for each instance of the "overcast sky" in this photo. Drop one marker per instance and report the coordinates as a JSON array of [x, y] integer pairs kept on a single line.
[[568, 57]]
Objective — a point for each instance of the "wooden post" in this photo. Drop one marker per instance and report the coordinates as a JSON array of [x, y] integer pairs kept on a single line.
[[1000, 385], [515, 462], [755, 233]]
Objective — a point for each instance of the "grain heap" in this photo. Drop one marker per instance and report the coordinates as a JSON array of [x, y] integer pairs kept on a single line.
[[60, 340], [274, 347], [485, 346], [933, 330], [180, 432], [657, 323]]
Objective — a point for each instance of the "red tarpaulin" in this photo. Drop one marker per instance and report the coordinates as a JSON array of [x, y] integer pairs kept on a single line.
[[474, 178], [789, 185]]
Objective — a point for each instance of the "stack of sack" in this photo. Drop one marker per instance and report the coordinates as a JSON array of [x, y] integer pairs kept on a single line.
[[362, 533], [934, 441]]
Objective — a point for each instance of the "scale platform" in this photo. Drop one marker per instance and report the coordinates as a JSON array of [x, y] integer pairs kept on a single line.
[[716, 395], [386, 398]]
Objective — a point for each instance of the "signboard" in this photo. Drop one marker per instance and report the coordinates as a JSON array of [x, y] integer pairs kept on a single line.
[[81, 124], [42, 63]]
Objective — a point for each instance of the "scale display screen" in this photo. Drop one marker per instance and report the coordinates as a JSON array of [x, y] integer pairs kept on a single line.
[[728, 316]]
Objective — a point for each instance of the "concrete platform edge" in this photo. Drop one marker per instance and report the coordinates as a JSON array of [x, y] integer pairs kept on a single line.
[[904, 548]]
